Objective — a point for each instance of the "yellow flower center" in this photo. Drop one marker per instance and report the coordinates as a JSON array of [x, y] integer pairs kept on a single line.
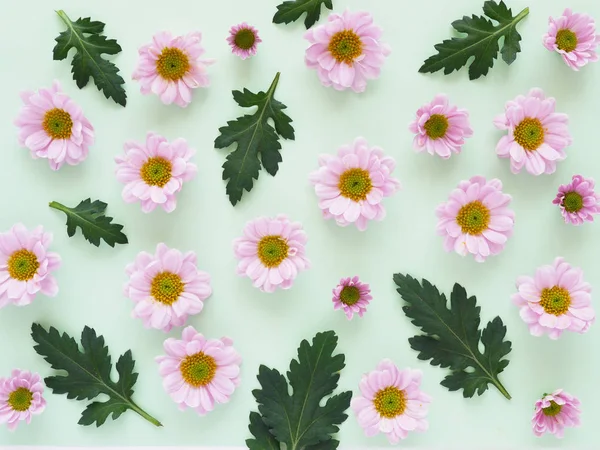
[[20, 399], [390, 402], [244, 39], [555, 301], [58, 123], [572, 202], [172, 64], [473, 218], [350, 295], [436, 126], [22, 265], [156, 171], [355, 184], [566, 40], [272, 250], [553, 409], [529, 134], [345, 46], [166, 287], [198, 370]]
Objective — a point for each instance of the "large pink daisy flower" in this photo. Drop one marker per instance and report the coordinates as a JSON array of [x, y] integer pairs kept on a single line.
[[153, 173], [271, 252], [577, 200], [53, 127], [26, 265], [391, 402], [556, 299], [555, 412], [243, 39], [170, 67], [537, 136], [21, 398], [352, 184], [199, 372], [346, 51], [574, 37], [476, 218], [352, 296], [440, 128], [166, 287]]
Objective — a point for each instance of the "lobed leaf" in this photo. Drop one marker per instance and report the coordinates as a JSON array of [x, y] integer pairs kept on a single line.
[[300, 420], [452, 336], [95, 226], [84, 36], [257, 141], [88, 373], [480, 43], [290, 11]]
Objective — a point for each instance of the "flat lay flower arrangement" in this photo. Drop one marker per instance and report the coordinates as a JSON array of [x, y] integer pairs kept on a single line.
[[314, 223]]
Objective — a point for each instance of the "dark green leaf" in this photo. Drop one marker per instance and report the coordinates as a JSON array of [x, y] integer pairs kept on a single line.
[[88, 373], [452, 336], [331, 444], [84, 36], [254, 137], [89, 217], [299, 420], [290, 11], [480, 42], [263, 439], [97, 412]]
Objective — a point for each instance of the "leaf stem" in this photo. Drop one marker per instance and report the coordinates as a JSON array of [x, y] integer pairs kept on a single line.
[[145, 415], [273, 86], [501, 388], [59, 206], [63, 16], [521, 15]]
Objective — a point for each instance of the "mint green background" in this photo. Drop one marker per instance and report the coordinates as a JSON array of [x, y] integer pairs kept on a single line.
[[268, 328]]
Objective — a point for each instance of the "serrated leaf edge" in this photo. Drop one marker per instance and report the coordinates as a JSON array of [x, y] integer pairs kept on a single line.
[[69, 212], [270, 96], [130, 403], [516, 19], [67, 21], [496, 382], [330, 334], [307, 20]]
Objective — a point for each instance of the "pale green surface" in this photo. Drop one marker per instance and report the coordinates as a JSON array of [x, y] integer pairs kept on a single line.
[[268, 328]]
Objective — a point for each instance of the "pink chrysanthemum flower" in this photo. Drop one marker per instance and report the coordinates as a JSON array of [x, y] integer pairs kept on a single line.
[[53, 127], [574, 37], [554, 412], [153, 173], [26, 265], [346, 51], [243, 39], [476, 218], [21, 398], [440, 128], [166, 287], [199, 372], [271, 252], [577, 200], [352, 184], [391, 402], [556, 299], [352, 296], [537, 136], [170, 67]]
